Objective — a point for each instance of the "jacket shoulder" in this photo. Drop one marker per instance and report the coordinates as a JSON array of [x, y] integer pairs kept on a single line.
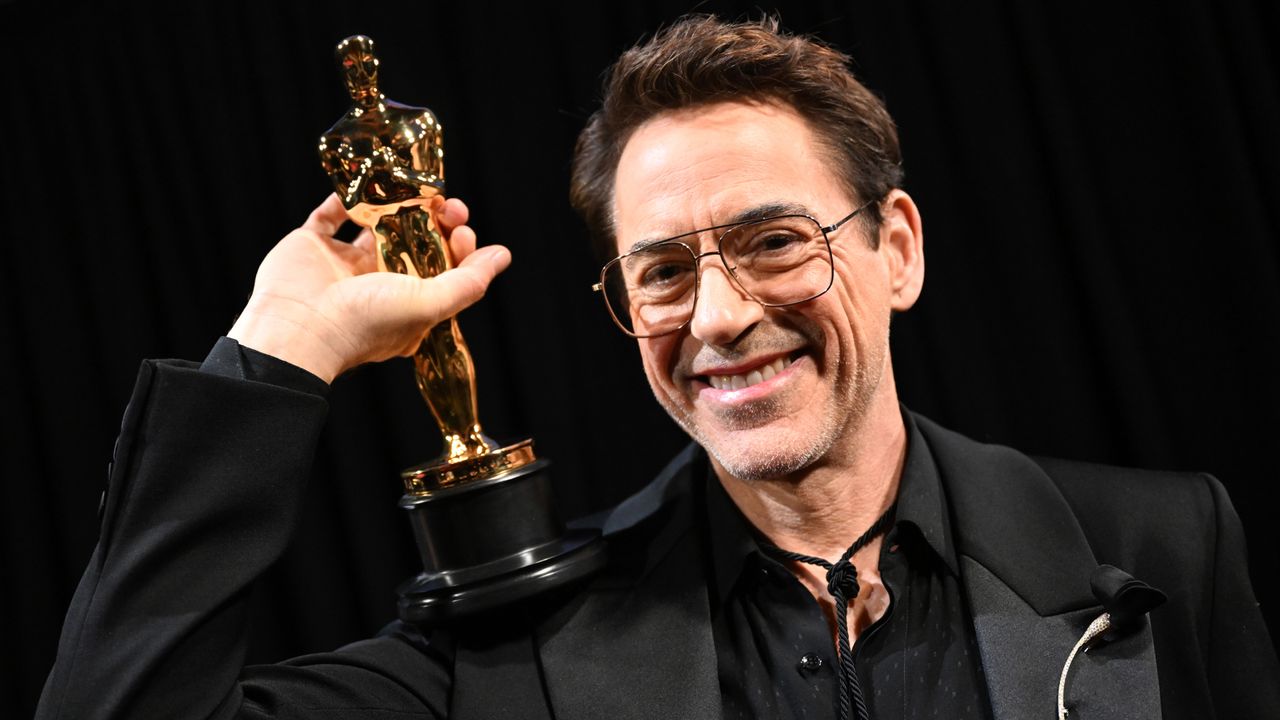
[[1133, 516]]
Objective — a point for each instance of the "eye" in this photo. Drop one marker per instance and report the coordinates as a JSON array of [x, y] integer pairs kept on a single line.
[[771, 247], [663, 274], [776, 241], [658, 274], [768, 242]]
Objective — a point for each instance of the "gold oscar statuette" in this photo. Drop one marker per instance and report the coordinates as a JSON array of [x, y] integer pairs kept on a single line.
[[481, 514]]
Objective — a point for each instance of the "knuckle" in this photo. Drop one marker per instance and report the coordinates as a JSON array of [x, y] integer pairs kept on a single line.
[[473, 287]]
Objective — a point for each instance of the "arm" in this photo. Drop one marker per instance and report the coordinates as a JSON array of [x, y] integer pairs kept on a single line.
[[355, 187], [157, 626], [332, 159], [1244, 675], [205, 487], [409, 176], [163, 597]]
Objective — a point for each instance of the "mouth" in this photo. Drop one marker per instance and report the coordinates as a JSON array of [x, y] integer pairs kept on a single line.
[[742, 380]]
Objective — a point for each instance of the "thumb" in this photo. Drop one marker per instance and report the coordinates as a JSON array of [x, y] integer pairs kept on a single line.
[[433, 299], [496, 256]]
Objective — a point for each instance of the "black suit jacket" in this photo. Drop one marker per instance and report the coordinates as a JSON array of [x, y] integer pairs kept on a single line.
[[208, 474]]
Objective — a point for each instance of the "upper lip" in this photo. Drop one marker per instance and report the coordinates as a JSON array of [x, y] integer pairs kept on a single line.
[[742, 367]]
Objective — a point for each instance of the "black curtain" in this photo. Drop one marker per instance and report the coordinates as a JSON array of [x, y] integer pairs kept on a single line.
[[1100, 184]]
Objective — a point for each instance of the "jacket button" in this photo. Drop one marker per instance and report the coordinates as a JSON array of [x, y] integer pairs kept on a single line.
[[810, 662]]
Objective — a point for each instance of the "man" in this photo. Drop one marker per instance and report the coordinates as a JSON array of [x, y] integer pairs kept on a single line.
[[818, 552]]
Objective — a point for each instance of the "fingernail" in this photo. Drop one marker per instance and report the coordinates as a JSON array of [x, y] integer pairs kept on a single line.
[[499, 257]]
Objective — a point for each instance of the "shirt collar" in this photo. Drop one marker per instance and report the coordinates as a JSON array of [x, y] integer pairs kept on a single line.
[[921, 503], [921, 499]]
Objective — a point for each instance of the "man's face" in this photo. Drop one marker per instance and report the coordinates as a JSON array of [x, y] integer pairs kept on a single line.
[[811, 370]]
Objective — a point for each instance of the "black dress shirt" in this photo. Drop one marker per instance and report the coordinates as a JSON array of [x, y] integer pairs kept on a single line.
[[776, 653]]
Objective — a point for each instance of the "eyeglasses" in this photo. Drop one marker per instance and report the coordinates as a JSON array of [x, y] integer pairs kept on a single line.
[[777, 261]]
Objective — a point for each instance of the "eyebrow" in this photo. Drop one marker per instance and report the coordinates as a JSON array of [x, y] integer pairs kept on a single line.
[[751, 214]]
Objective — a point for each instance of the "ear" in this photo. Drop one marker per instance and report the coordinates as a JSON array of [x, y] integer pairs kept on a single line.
[[902, 245]]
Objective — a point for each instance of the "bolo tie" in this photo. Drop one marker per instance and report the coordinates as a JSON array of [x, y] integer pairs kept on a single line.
[[842, 583]]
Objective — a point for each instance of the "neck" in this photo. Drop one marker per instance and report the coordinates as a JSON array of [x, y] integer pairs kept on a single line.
[[370, 101], [821, 509]]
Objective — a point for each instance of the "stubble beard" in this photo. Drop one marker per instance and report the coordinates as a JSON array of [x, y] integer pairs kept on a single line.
[[756, 459]]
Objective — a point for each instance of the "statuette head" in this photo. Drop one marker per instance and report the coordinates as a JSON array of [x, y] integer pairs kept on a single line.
[[359, 67]]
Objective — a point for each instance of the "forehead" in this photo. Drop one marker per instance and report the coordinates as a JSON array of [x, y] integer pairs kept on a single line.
[[358, 52], [699, 167]]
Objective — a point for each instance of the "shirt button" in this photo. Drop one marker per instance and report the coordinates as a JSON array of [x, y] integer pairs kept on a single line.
[[810, 661]]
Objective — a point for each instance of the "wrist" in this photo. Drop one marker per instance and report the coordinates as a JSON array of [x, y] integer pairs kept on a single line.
[[287, 339]]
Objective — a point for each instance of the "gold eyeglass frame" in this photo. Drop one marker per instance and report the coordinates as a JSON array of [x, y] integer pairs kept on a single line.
[[697, 262]]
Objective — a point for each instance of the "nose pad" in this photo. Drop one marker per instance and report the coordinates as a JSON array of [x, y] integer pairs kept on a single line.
[[724, 310]]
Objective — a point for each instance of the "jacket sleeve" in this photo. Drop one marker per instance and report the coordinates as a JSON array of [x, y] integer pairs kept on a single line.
[[207, 480], [1244, 674]]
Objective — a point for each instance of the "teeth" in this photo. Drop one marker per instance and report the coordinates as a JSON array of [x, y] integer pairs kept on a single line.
[[759, 375]]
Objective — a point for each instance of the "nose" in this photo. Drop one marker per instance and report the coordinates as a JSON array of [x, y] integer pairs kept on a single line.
[[723, 311]]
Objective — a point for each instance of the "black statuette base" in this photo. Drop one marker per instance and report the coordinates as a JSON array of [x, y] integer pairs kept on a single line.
[[492, 542]]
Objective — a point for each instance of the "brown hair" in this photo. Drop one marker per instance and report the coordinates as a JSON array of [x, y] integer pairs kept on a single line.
[[702, 60]]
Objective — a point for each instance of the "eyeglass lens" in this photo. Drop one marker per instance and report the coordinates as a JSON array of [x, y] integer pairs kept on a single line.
[[778, 261]]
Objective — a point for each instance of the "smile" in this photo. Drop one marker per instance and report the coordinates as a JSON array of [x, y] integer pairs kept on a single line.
[[754, 377]]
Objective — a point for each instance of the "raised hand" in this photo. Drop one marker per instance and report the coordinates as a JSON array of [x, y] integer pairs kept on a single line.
[[320, 303]]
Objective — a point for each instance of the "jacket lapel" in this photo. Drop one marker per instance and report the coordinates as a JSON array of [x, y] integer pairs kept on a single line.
[[637, 643], [1025, 566]]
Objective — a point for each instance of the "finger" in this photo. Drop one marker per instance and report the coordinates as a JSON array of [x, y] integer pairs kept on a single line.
[[365, 240], [428, 301], [462, 242], [327, 218], [497, 257], [362, 253], [455, 213]]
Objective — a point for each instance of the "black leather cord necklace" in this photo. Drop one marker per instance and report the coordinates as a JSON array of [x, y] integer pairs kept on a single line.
[[842, 583]]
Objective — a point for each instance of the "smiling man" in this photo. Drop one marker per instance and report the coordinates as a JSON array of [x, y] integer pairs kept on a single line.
[[818, 551], [766, 337], [830, 399]]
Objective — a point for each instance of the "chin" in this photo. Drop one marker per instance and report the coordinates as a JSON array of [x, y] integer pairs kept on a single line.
[[766, 453], [749, 467]]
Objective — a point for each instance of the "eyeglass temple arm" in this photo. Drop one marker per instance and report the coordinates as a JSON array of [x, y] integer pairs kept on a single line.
[[836, 225]]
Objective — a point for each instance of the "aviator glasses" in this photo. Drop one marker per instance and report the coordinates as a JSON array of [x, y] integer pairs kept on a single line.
[[777, 261]]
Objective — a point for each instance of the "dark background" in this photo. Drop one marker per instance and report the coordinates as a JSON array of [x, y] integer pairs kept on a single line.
[[1099, 183]]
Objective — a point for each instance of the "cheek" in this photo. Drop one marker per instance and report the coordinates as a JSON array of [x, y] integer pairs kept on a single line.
[[858, 314], [656, 356], [847, 308], [863, 296]]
